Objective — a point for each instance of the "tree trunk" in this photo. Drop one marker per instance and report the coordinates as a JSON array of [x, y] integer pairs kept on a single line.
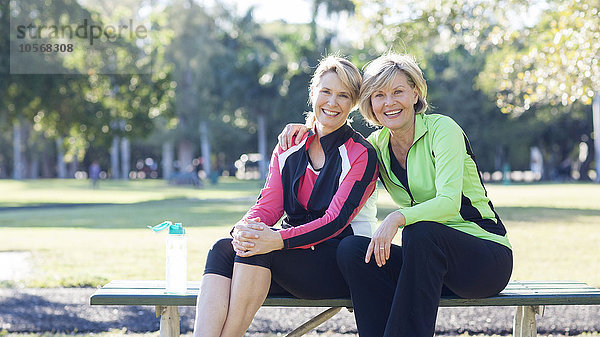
[[205, 147], [313, 21], [167, 160], [3, 169], [583, 167], [536, 162], [262, 146], [114, 158], [45, 165], [30, 152], [545, 164], [499, 157], [185, 155], [34, 165], [61, 168], [596, 118], [125, 158], [17, 150], [72, 167]]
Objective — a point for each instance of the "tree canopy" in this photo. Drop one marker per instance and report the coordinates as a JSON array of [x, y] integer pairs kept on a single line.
[[214, 83]]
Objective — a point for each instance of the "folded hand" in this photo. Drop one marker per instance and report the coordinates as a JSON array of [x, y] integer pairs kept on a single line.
[[253, 237]]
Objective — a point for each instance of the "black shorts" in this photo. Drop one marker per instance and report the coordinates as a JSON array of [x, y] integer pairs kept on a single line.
[[304, 273]]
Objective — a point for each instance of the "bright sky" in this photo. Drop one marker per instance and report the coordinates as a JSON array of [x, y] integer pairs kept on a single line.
[[292, 11]]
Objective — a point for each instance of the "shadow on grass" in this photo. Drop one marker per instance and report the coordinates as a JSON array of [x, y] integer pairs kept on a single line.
[[192, 212], [41, 206], [35, 206], [219, 212], [546, 214]]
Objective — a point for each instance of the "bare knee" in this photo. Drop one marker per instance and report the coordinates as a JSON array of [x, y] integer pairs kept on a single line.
[[249, 288]]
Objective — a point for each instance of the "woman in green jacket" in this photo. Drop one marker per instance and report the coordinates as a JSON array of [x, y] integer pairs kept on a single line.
[[453, 242]]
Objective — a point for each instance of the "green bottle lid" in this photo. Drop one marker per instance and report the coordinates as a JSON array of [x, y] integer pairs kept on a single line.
[[174, 228]]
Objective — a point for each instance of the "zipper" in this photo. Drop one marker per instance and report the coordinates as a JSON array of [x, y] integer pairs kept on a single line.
[[412, 200]]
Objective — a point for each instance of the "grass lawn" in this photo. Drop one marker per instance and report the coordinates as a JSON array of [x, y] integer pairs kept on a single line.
[[88, 237], [18, 193]]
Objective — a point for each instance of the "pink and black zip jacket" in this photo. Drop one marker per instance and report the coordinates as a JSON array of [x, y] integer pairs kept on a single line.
[[318, 204]]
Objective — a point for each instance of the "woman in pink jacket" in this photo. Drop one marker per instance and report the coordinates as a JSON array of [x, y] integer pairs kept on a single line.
[[320, 185]]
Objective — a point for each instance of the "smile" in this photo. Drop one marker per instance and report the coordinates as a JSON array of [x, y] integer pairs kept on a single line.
[[392, 113], [330, 113]]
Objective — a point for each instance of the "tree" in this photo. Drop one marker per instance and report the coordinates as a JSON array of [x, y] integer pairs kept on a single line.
[[71, 110], [194, 53], [556, 64], [510, 35], [495, 137], [332, 9], [423, 27], [264, 67], [22, 95]]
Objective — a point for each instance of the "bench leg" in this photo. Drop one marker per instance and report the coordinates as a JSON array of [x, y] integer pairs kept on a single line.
[[524, 323], [314, 322], [169, 320]]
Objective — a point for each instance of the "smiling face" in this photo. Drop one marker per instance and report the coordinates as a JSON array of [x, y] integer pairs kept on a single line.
[[331, 102], [393, 105]]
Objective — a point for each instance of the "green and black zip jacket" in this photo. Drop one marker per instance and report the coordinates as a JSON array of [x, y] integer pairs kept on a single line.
[[444, 184]]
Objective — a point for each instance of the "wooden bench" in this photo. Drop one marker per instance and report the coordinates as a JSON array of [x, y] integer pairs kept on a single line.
[[529, 297]]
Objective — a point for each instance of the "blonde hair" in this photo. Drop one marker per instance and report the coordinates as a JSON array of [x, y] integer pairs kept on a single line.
[[380, 73], [347, 72]]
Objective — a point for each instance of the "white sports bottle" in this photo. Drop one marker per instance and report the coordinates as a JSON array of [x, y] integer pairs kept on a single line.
[[176, 268]]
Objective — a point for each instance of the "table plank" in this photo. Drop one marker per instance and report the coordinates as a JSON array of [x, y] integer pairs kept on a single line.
[[517, 293]]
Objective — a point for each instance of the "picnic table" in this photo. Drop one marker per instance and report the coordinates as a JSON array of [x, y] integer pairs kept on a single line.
[[529, 298]]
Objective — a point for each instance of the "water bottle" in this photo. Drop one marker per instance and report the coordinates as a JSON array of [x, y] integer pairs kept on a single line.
[[176, 269]]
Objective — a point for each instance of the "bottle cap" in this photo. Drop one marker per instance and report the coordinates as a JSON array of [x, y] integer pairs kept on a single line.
[[174, 228]]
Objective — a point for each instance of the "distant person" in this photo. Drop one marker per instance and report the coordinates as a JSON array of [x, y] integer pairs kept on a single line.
[[453, 242], [320, 185], [94, 173]]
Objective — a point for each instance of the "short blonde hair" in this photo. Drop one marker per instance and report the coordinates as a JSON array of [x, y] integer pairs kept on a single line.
[[380, 73], [347, 72]]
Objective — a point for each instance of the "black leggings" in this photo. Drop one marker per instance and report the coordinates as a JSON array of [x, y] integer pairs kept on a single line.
[[303, 273], [401, 298]]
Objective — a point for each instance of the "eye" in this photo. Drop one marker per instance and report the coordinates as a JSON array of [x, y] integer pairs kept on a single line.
[[325, 91], [344, 96], [378, 94], [398, 92]]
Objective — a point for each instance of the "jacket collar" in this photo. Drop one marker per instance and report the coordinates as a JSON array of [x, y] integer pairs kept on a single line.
[[333, 140], [383, 140]]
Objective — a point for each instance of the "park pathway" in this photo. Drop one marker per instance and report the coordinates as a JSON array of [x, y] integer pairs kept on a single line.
[[68, 310]]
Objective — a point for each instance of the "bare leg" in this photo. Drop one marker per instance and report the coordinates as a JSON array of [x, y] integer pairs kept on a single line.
[[249, 288], [212, 305]]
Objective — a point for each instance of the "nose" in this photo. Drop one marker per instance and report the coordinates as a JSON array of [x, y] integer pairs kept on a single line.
[[387, 100], [332, 100]]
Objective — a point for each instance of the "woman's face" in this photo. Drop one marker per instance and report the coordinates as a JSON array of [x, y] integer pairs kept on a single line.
[[331, 103], [393, 105]]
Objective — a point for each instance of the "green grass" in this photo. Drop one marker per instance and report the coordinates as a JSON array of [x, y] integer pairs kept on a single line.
[[68, 191], [137, 215], [99, 235], [91, 257], [91, 236]]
